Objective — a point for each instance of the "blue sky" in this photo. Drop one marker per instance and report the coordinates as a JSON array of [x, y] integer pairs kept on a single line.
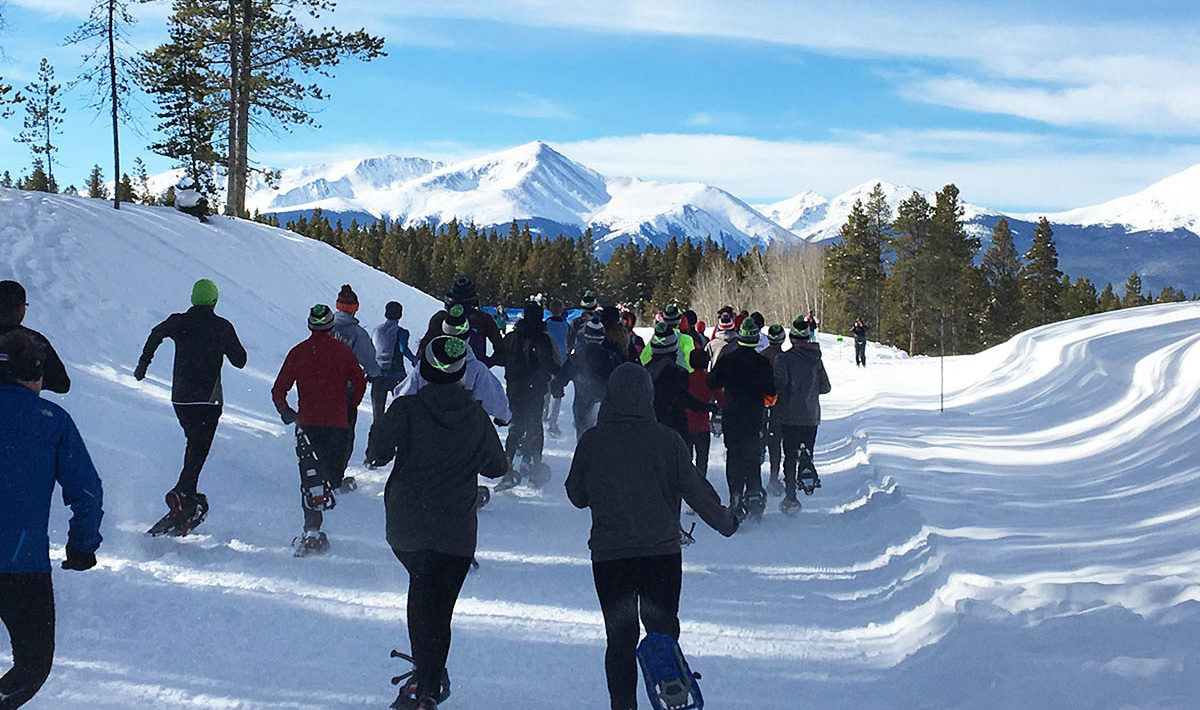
[[1025, 106]]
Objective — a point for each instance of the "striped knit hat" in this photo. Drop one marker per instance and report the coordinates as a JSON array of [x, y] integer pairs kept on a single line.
[[347, 300], [588, 301], [671, 315], [593, 330], [455, 323], [725, 321], [748, 333], [444, 360], [320, 317], [664, 340], [800, 332], [776, 334]]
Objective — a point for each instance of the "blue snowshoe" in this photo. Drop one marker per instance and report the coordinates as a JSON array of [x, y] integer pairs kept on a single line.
[[670, 683]]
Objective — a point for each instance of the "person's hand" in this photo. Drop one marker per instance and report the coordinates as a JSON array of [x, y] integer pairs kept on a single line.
[[78, 561], [288, 416], [139, 373], [734, 524]]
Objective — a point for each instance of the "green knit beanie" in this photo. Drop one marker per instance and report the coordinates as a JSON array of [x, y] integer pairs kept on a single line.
[[204, 293]]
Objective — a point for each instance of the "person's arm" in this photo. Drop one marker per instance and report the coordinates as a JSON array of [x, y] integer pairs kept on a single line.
[[570, 337], [405, 337], [388, 436], [364, 349], [357, 379], [545, 354], [486, 388], [576, 483], [54, 375], [715, 379], [767, 377], [487, 326], [558, 385], [233, 348], [82, 491], [699, 493], [823, 378], [158, 333], [279, 390], [494, 463]]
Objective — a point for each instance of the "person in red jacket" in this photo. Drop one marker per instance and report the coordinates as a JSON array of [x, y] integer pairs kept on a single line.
[[699, 439], [329, 381]]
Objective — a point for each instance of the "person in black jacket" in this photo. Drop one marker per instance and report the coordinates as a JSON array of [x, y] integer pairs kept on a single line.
[[860, 342], [632, 472], [202, 342], [589, 367], [671, 395], [12, 312], [748, 381], [531, 364], [441, 440]]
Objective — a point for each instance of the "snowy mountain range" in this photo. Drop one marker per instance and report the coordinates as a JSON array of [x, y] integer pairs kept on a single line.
[[1155, 232]]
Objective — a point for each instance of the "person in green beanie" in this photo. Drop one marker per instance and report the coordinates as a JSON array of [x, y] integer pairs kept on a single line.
[[203, 340]]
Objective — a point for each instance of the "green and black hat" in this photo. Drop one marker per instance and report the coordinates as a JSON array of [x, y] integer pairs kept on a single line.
[[665, 339], [776, 334], [588, 301], [455, 323], [672, 315], [748, 333], [444, 360], [320, 317]]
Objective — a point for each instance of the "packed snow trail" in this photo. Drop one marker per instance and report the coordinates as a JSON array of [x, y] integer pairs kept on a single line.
[[1033, 546]]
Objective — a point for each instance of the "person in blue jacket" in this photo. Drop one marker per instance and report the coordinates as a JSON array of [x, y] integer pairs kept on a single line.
[[39, 445]]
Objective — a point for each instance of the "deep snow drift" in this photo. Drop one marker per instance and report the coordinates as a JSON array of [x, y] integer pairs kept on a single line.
[[1035, 546]]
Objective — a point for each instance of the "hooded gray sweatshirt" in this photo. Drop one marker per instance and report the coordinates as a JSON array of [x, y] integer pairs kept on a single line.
[[632, 471]]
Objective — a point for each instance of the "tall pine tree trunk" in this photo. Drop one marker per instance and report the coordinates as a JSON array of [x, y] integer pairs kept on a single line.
[[231, 162], [112, 77], [243, 116]]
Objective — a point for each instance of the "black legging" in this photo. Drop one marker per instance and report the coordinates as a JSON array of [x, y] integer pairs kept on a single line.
[[330, 446], [743, 467], [434, 581], [381, 387], [27, 609], [700, 444], [628, 588], [199, 422], [525, 433], [793, 437]]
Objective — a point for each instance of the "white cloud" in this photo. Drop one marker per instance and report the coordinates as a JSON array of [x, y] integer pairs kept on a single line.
[[525, 105], [1117, 69]]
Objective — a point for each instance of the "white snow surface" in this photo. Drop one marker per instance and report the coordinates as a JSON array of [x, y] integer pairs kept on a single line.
[[1169, 204], [1037, 545]]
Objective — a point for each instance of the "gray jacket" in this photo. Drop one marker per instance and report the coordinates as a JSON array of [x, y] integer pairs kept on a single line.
[[800, 378], [347, 330], [632, 472], [720, 340]]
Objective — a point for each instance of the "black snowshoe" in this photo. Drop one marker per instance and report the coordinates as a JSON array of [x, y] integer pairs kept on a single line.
[[407, 698], [315, 490], [184, 514], [312, 542], [789, 505], [538, 474], [807, 477], [756, 503], [348, 484], [508, 481], [775, 487]]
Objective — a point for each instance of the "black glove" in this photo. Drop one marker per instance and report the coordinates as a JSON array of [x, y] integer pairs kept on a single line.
[[139, 373], [499, 422], [288, 416], [734, 528], [79, 561]]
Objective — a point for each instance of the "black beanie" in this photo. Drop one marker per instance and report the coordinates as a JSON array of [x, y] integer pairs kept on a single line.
[[463, 291], [533, 312], [393, 310], [444, 360], [12, 296]]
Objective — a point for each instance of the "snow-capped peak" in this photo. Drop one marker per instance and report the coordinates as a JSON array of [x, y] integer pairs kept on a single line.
[[1169, 204]]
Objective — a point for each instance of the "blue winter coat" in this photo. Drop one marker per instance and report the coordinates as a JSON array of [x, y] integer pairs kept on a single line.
[[39, 445]]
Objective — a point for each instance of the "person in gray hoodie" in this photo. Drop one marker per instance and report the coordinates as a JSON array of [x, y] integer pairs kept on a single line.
[[347, 330], [632, 472], [441, 440], [801, 379]]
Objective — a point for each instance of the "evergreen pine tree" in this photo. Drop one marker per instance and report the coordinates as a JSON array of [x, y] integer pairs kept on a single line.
[[95, 184], [956, 295], [43, 116], [1041, 284], [125, 191], [38, 180], [1133, 295], [6, 180], [1108, 300], [1168, 294], [1079, 298], [106, 66], [907, 289], [1002, 268], [141, 180]]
